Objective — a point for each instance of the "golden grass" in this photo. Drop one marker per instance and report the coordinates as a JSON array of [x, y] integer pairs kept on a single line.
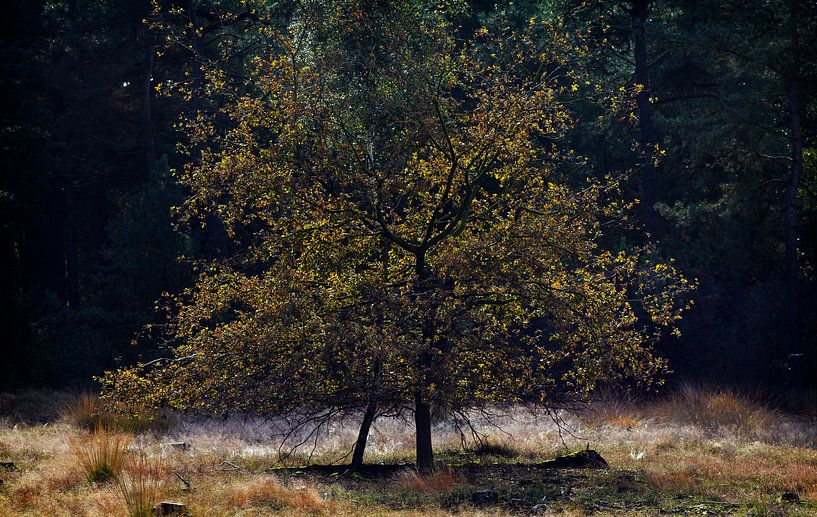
[[681, 481], [140, 482], [269, 491], [743, 474], [715, 409], [85, 412], [25, 484], [102, 455], [737, 450], [624, 421], [442, 479]]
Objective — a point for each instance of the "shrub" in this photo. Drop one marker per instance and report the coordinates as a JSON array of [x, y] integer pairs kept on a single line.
[[85, 412], [142, 422]]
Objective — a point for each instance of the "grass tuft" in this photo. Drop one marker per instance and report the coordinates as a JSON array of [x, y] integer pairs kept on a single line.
[[714, 410], [441, 480], [140, 483], [85, 412], [102, 455], [268, 491]]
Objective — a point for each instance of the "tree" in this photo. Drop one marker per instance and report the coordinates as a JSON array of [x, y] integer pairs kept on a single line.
[[411, 236]]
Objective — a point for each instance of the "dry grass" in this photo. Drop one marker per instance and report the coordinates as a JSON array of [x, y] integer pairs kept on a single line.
[[140, 483], [706, 444], [749, 470], [85, 411], [442, 479], [612, 412], [102, 455], [716, 410], [268, 491], [624, 421], [494, 448], [682, 481]]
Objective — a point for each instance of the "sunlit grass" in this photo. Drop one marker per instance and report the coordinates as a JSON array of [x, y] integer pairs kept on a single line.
[[102, 454], [441, 480], [140, 482], [739, 451], [268, 491]]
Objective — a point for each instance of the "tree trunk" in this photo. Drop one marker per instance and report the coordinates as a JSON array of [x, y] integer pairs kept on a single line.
[[647, 134], [422, 422], [363, 435], [371, 408], [422, 407], [795, 353]]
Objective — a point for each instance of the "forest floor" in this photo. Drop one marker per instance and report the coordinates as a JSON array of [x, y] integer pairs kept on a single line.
[[698, 452]]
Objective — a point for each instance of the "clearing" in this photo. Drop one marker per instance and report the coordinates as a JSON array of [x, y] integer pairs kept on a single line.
[[700, 452]]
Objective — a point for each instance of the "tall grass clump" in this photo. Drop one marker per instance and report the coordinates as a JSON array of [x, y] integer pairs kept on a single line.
[[85, 411], [268, 491], [140, 483], [716, 409], [102, 455], [441, 480]]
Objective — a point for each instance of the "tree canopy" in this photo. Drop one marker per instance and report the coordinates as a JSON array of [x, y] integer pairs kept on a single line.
[[410, 229]]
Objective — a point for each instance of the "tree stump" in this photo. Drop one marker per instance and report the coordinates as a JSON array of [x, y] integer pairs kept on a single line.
[[169, 508]]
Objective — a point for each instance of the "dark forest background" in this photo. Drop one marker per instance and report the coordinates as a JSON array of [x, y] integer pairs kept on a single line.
[[87, 149]]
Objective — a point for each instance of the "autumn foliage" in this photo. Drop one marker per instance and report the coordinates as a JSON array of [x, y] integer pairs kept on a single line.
[[410, 230]]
